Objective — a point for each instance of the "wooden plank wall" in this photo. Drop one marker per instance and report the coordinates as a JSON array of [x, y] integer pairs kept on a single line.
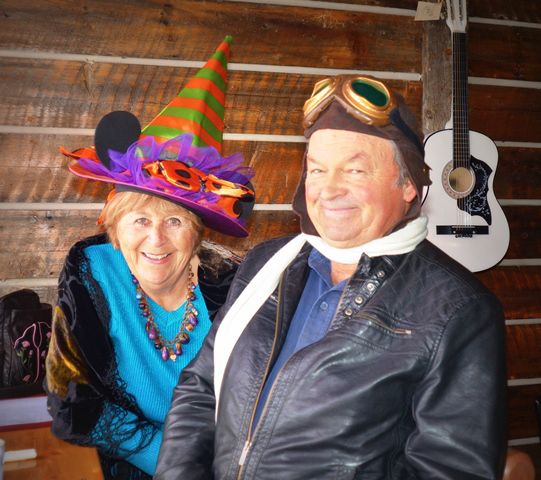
[[64, 64]]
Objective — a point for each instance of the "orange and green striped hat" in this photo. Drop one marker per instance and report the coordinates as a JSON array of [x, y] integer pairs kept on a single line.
[[178, 155], [199, 107]]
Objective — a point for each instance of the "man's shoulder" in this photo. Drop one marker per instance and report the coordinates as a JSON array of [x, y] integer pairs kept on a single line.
[[441, 268]]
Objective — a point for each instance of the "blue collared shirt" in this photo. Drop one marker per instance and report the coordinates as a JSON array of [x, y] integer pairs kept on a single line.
[[312, 318]]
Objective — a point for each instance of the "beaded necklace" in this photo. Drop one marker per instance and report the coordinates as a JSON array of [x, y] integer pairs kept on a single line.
[[170, 349]]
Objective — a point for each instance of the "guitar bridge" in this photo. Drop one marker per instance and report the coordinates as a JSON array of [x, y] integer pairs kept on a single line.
[[461, 231]]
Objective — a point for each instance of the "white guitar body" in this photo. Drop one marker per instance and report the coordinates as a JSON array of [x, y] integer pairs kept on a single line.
[[464, 218], [486, 245]]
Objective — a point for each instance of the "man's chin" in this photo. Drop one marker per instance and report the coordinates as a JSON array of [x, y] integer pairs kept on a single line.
[[339, 240]]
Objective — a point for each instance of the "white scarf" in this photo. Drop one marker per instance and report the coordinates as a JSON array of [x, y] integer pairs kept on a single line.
[[265, 281]]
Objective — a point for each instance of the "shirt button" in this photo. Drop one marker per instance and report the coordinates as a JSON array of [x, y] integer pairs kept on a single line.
[[323, 306], [348, 311], [359, 300]]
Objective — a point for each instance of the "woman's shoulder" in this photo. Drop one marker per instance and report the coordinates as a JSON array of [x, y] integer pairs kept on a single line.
[[78, 248]]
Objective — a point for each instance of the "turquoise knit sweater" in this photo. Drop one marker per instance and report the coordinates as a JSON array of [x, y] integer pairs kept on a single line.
[[148, 378]]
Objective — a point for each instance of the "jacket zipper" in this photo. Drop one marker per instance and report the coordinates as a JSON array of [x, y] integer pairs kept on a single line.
[[248, 442], [398, 331]]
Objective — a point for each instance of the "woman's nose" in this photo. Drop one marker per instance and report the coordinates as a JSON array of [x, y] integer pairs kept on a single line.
[[157, 235]]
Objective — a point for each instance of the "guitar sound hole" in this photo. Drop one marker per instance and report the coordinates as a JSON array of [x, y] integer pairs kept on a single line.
[[457, 182]]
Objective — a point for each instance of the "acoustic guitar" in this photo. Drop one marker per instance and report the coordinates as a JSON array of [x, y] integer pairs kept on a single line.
[[464, 218]]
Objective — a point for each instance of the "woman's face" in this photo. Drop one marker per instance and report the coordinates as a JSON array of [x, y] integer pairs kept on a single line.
[[157, 246]]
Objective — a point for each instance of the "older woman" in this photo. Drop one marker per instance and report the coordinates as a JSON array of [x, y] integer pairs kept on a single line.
[[136, 302]]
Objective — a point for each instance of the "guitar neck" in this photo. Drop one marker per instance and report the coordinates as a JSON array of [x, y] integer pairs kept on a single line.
[[461, 128]]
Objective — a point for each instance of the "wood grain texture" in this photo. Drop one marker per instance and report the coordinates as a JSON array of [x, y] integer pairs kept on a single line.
[[517, 288], [186, 29], [523, 359], [506, 113], [38, 172], [525, 226], [437, 74], [56, 94], [496, 51], [518, 174], [517, 10], [522, 421], [55, 231]]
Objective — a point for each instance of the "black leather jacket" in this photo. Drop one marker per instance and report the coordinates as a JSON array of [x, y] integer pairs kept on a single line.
[[408, 383]]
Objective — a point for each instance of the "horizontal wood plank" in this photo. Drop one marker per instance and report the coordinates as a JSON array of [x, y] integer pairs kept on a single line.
[[48, 93], [504, 52], [522, 422], [525, 226], [38, 172], [518, 175], [187, 29], [517, 10], [505, 113], [523, 360], [517, 288], [34, 243], [331, 38]]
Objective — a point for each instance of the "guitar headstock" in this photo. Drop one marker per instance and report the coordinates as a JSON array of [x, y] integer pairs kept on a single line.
[[457, 16]]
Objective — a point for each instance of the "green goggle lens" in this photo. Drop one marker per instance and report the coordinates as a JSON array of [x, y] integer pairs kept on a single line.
[[374, 95]]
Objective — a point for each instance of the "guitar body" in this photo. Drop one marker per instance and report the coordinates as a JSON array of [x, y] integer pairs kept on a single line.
[[468, 224]]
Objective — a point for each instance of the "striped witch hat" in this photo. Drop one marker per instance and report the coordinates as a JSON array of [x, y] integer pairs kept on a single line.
[[178, 154], [199, 107]]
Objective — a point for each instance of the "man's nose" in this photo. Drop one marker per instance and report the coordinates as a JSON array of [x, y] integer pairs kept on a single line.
[[333, 185]]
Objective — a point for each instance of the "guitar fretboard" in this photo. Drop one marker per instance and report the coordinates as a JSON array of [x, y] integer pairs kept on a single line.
[[461, 128]]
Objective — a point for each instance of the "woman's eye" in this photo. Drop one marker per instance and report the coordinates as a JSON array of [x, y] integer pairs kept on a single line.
[[142, 222], [315, 171], [174, 222]]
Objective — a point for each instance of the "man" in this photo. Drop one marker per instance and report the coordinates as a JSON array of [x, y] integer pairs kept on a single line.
[[357, 349]]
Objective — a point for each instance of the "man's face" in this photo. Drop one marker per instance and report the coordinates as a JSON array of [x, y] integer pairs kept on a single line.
[[352, 195]]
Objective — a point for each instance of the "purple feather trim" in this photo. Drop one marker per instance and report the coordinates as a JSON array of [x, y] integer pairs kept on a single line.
[[128, 167]]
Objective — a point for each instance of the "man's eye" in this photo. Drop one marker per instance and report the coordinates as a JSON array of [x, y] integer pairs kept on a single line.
[[315, 171], [174, 222]]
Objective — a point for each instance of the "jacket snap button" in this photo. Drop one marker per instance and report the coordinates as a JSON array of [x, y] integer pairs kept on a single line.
[[371, 287], [380, 274], [359, 300], [348, 311]]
